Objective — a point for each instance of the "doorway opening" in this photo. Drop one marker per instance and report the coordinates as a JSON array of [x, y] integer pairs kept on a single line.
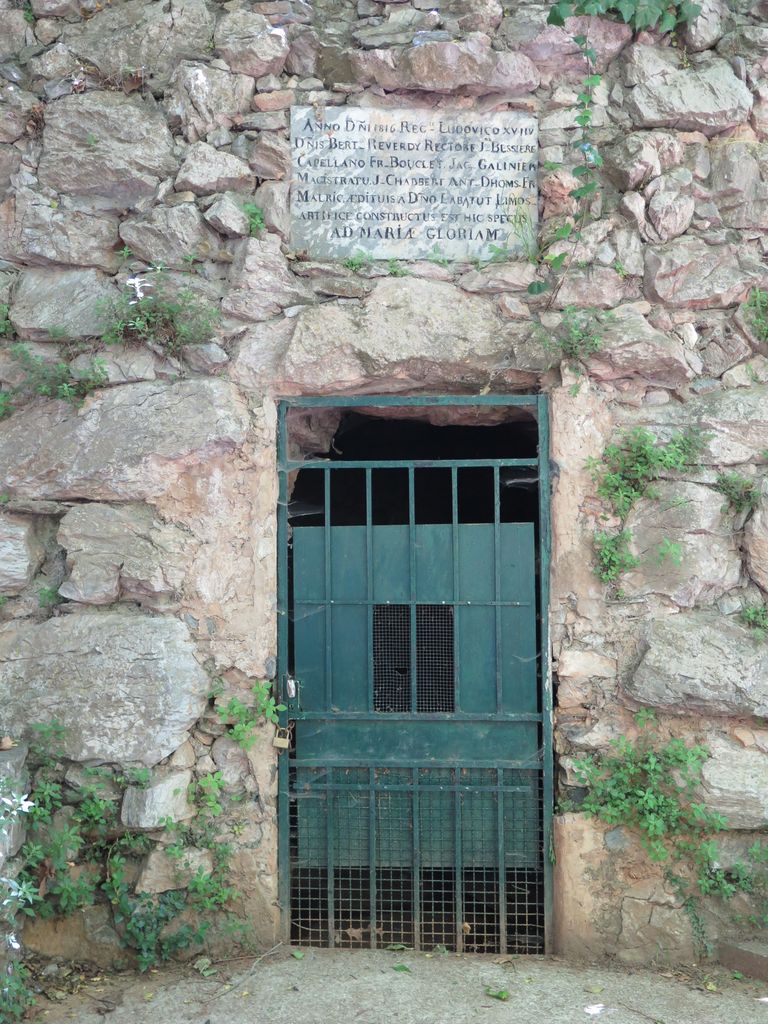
[[415, 799]]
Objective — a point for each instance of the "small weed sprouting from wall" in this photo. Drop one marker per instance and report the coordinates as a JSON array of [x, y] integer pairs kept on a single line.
[[625, 474], [242, 719], [756, 617], [77, 853], [629, 468], [577, 337], [757, 313], [613, 555], [148, 312], [740, 492], [650, 786], [255, 215]]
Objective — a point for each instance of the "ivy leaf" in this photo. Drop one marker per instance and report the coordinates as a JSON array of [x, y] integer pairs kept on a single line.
[[647, 13], [563, 232], [537, 287], [559, 12], [583, 191], [555, 261]]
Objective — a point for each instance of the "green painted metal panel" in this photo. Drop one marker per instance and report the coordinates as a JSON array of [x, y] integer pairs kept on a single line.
[[476, 625], [348, 570], [309, 633], [518, 563], [349, 637], [434, 564], [391, 564], [476, 558], [384, 741], [519, 659]]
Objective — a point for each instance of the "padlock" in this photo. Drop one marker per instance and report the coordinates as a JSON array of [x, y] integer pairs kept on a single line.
[[282, 739]]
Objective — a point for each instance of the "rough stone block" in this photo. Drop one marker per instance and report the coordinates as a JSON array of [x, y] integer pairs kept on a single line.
[[38, 231], [688, 273], [756, 547], [750, 957], [707, 97], [441, 67], [701, 662], [129, 443], [260, 283], [708, 563], [632, 348], [125, 687], [88, 935], [123, 553], [140, 38], [21, 552], [735, 783], [165, 797], [270, 156], [249, 44], [207, 170], [130, 152], [204, 97], [168, 234], [407, 330], [734, 423], [162, 873], [642, 156], [49, 305]]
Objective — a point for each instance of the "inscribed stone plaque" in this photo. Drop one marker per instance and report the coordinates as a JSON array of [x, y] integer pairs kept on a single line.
[[406, 184]]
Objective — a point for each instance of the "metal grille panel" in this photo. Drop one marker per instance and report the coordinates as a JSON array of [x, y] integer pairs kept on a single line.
[[392, 652], [425, 857], [435, 675], [391, 657]]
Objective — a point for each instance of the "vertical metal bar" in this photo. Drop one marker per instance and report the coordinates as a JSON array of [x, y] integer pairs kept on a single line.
[[328, 594], [369, 582], [416, 812], [330, 828], [456, 584], [501, 860], [283, 774], [412, 606], [497, 586], [458, 861], [544, 663], [372, 852]]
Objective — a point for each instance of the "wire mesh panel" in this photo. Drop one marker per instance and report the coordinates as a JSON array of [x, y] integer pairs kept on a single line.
[[426, 857], [391, 657], [435, 672]]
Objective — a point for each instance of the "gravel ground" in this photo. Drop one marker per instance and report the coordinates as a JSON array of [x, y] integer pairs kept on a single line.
[[325, 987]]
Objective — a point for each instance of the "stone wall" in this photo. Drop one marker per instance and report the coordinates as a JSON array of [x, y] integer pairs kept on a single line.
[[134, 133]]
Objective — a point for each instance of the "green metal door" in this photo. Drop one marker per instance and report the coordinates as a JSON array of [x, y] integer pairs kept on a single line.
[[414, 798]]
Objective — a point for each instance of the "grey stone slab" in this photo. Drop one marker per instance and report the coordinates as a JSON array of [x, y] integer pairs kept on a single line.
[[401, 184]]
